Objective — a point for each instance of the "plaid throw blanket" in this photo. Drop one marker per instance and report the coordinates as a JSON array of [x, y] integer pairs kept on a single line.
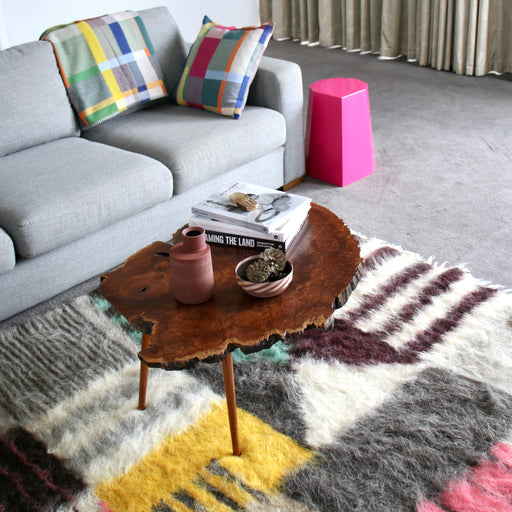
[[108, 65]]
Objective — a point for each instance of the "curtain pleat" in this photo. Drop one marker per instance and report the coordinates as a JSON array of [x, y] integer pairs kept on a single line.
[[353, 25], [296, 27], [376, 24], [440, 46], [482, 38], [448, 38], [470, 37], [436, 43], [391, 35], [460, 38], [304, 26], [366, 26], [265, 10], [501, 35], [313, 21], [423, 32], [329, 32]]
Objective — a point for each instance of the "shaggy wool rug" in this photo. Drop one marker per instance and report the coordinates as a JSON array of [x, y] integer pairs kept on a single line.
[[405, 405]]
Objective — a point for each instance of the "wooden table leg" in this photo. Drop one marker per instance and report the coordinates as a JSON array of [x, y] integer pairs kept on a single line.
[[229, 386], [143, 383]]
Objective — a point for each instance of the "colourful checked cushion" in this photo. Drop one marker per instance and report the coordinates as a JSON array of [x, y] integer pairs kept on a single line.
[[108, 65], [221, 66]]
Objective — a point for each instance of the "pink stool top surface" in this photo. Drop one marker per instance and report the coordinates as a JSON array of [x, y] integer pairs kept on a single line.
[[339, 87]]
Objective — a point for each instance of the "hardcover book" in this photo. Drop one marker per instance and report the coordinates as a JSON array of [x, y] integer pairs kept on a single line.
[[248, 242], [274, 207], [238, 236], [289, 228]]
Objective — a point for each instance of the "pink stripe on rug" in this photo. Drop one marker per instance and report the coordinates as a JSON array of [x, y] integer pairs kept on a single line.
[[503, 452], [461, 496], [494, 478]]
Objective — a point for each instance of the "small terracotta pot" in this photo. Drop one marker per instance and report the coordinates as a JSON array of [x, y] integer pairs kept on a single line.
[[191, 268]]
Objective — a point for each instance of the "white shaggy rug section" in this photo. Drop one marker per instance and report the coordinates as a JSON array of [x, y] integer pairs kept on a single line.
[[404, 406]]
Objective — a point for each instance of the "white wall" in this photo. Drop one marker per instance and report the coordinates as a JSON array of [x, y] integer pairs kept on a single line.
[[25, 20]]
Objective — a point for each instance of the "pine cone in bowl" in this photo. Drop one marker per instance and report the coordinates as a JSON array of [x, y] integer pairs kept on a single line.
[[265, 275]]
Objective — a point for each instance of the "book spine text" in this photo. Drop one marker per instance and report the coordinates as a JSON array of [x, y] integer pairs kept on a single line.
[[228, 239]]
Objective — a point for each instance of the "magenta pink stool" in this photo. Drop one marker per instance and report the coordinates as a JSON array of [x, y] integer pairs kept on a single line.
[[339, 139]]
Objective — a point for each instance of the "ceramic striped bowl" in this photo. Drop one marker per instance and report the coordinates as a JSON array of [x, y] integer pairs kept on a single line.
[[262, 290]]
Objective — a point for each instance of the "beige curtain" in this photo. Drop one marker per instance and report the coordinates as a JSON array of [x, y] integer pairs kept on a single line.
[[470, 37]]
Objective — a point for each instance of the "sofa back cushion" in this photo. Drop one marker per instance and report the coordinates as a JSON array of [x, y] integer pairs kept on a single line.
[[168, 43], [221, 66], [34, 108]]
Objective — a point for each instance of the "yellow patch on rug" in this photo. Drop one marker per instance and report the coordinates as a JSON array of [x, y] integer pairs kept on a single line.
[[179, 471]]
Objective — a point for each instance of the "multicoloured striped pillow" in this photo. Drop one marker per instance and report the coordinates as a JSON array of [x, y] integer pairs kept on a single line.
[[221, 66], [108, 65]]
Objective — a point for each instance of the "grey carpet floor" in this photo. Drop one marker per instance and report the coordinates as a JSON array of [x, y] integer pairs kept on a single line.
[[442, 185]]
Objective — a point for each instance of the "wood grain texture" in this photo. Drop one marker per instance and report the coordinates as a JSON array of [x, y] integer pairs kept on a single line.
[[325, 258], [294, 183]]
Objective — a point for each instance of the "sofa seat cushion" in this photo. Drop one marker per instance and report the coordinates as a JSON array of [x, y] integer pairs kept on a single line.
[[61, 191], [194, 144], [7, 254], [34, 108]]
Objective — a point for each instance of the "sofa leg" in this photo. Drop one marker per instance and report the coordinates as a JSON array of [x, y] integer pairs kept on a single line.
[[293, 183], [143, 383]]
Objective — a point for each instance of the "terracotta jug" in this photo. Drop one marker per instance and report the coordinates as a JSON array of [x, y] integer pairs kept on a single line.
[[191, 268]]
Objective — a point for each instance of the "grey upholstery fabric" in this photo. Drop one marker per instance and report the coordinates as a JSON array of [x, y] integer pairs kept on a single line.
[[73, 208], [194, 144], [278, 85], [34, 108], [63, 190], [168, 43], [7, 255], [91, 255]]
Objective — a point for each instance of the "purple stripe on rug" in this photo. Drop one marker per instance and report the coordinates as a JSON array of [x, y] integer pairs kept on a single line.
[[438, 286], [446, 324], [349, 344], [378, 257], [393, 287], [31, 478]]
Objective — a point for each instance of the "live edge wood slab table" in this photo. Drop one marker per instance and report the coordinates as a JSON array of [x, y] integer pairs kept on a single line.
[[326, 260]]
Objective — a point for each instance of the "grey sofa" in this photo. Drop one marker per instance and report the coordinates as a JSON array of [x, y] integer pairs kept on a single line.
[[73, 205]]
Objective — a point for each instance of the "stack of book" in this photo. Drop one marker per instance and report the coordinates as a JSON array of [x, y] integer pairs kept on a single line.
[[251, 216]]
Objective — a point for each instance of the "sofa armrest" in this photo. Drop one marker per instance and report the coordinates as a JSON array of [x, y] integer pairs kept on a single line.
[[278, 85]]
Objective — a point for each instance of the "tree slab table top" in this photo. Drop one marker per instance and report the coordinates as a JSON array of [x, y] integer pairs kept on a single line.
[[325, 258]]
